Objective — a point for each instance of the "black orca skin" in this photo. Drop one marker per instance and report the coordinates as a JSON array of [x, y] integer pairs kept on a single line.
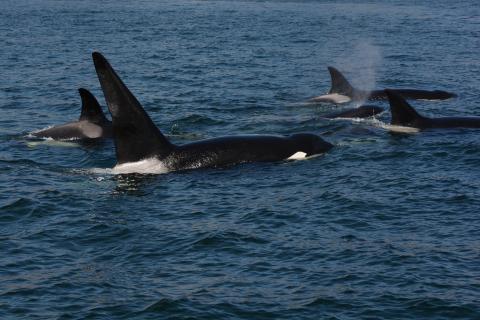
[[92, 123], [137, 138], [364, 111], [403, 114], [342, 91]]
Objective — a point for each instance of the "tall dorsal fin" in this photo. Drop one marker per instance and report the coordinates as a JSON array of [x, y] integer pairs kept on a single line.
[[91, 110], [340, 84], [402, 112], [136, 136]]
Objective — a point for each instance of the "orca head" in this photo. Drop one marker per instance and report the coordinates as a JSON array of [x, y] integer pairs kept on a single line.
[[311, 144]]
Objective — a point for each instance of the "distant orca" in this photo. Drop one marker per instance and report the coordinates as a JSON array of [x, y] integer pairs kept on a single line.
[[405, 115], [364, 111], [342, 91], [137, 138], [92, 123]]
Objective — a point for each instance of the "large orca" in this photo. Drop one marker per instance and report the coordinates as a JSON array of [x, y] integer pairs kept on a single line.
[[363, 111], [92, 123], [403, 114], [342, 92], [138, 139]]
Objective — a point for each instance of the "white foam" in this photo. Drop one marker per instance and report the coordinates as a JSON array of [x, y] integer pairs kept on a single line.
[[333, 97], [297, 156], [99, 171], [350, 119], [146, 166]]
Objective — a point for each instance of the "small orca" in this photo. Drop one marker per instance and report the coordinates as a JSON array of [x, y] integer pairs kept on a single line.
[[342, 91], [92, 123], [138, 139], [364, 111], [403, 114]]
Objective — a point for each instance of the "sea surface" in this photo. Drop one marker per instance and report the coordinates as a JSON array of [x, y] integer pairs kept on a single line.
[[384, 226]]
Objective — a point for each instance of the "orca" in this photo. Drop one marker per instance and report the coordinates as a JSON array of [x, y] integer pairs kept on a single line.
[[364, 111], [92, 123], [342, 91], [403, 114], [138, 139]]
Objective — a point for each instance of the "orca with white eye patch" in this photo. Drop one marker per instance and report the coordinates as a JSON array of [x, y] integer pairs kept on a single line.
[[137, 138]]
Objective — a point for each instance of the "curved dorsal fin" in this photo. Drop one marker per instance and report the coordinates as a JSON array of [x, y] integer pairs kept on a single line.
[[402, 112], [136, 136], [91, 110], [340, 84]]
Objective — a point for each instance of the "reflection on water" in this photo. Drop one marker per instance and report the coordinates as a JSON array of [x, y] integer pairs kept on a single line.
[[133, 184]]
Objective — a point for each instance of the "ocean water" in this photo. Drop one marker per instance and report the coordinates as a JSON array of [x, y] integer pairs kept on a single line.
[[384, 226]]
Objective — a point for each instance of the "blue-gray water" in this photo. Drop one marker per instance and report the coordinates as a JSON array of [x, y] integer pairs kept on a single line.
[[382, 227]]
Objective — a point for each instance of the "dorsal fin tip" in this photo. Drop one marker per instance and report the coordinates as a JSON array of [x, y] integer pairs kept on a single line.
[[91, 109], [340, 84]]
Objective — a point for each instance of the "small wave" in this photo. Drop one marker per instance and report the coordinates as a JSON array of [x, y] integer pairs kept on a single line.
[[227, 239], [198, 119], [14, 209], [428, 306], [302, 104], [163, 305]]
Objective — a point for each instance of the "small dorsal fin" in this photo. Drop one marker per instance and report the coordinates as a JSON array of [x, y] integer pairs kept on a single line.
[[91, 110], [136, 136], [340, 84], [402, 112]]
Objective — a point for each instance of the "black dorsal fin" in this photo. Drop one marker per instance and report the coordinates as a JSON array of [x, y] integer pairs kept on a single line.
[[403, 113], [340, 84], [91, 110], [136, 136]]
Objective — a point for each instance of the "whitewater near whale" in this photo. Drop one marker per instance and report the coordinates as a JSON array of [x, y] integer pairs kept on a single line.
[[137, 139], [342, 91], [92, 123]]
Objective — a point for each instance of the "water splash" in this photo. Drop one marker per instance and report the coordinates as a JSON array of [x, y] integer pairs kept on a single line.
[[360, 65]]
